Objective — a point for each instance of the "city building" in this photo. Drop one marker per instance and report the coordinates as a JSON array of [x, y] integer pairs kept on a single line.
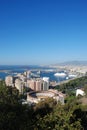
[[9, 81], [37, 84], [19, 85], [46, 83], [22, 77], [27, 74], [45, 86], [80, 92], [31, 84]]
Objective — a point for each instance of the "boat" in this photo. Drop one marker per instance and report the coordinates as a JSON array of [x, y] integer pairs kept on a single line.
[[60, 74]]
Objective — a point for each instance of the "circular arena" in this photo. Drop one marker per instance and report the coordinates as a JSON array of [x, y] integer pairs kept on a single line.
[[42, 94], [35, 97]]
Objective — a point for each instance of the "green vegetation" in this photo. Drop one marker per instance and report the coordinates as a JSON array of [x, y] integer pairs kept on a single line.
[[8, 95], [69, 88], [47, 115]]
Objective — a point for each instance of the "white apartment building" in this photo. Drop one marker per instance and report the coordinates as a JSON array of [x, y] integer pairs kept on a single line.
[[19, 85], [45, 85], [9, 81]]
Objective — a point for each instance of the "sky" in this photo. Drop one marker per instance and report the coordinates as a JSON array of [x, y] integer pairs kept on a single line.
[[42, 31]]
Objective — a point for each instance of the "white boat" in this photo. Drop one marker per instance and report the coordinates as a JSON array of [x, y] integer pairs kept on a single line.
[[60, 74]]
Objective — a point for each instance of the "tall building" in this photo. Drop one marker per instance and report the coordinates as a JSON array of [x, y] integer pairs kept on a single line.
[[29, 74], [45, 86], [46, 83], [19, 85], [38, 84], [31, 84], [9, 81]]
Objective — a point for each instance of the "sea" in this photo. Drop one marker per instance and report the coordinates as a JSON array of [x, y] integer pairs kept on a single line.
[[6, 70]]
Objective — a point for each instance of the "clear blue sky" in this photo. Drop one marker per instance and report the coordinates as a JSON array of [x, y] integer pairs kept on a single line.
[[42, 31]]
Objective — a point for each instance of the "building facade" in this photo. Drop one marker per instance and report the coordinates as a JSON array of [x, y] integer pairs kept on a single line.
[[19, 85], [9, 81]]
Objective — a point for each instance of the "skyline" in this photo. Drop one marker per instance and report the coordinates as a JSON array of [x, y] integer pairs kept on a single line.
[[42, 32]]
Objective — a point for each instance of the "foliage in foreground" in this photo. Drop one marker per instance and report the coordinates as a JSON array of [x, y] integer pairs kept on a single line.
[[46, 115]]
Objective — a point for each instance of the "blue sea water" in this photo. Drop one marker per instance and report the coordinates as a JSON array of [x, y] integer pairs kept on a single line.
[[10, 70]]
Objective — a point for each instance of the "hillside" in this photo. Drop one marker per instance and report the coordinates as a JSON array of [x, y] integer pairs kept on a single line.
[[73, 63]]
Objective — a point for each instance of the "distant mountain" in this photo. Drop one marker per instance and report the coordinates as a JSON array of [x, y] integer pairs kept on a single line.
[[74, 63]]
